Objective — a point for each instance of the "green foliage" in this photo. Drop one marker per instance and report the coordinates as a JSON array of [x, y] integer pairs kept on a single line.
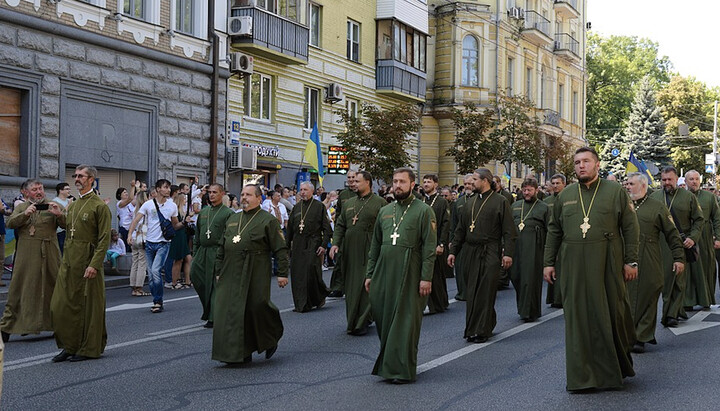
[[518, 134], [378, 140], [473, 147]]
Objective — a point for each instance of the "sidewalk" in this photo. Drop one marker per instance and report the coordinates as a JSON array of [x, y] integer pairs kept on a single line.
[[111, 281]]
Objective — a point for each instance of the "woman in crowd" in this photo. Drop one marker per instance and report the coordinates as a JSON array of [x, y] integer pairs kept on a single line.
[[138, 269], [179, 250]]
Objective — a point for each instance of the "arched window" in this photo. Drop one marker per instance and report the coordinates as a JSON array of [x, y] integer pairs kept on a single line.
[[470, 61]]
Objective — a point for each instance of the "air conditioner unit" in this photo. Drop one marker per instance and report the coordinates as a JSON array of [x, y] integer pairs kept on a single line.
[[241, 63], [335, 93], [240, 26], [248, 158]]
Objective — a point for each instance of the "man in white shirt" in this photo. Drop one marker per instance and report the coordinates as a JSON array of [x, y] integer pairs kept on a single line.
[[157, 246], [273, 206], [63, 198]]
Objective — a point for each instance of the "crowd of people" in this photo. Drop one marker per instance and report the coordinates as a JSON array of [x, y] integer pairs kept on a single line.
[[608, 251]]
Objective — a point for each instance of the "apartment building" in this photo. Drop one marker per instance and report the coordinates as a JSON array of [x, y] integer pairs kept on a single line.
[[481, 49]]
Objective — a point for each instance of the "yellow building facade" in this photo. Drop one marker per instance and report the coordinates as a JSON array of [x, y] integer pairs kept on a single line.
[[483, 49]]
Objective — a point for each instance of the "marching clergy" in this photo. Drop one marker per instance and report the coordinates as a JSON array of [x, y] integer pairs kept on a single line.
[[594, 236], [709, 240], [484, 223], [557, 185], [438, 300], [308, 233], [531, 219], [37, 260], [337, 281], [654, 219], [209, 230], [399, 277], [77, 308], [352, 237], [245, 318], [468, 192], [688, 218], [504, 279]]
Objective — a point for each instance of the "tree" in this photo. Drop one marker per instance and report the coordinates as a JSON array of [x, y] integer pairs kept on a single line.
[[614, 65], [473, 145], [645, 129], [518, 134], [378, 140], [611, 163]]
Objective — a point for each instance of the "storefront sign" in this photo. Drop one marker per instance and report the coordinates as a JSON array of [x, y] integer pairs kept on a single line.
[[338, 162], [264, 151]]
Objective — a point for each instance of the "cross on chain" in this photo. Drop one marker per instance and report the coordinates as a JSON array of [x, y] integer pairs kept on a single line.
[[354, 220], [394, 237], [302, 225], [72, 232], [585, 226], [208, 232]]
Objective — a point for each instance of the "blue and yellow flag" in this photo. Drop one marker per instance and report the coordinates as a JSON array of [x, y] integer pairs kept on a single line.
[[313, 153], [635, 165]]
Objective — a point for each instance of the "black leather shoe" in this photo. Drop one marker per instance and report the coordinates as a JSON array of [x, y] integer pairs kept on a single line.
[[247, 359], [477, 339], [269, 352], [359, 331], [671, 322], [78, 358], [400, 381], [336, 294], [638, 348], [208, 324], [63, 356], [5, 336]]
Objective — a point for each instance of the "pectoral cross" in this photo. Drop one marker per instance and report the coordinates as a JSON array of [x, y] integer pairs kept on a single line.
[[72, 232], [208, 232], [394, 237], [302, 225], [236, 239], [521, 226], [472, 227], [354, 219], [32, 230], [585, 226]]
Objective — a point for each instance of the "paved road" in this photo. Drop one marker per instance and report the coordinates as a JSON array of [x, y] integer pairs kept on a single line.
[[162, 361]]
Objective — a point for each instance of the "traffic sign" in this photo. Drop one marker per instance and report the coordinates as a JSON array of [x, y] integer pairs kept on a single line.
[[615, 152], [710, 168], [709, 158]]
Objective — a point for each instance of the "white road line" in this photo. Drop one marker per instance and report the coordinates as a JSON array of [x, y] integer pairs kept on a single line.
[[176, 329], [123, 307], [474, 347]]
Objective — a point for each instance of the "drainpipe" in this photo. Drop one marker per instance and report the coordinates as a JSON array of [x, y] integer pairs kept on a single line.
[[215, 39], [497, 52]]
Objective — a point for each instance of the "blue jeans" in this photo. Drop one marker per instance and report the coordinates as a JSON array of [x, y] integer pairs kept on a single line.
[[168, 265], [156, 253]]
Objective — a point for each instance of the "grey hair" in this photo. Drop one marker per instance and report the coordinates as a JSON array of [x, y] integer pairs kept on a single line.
[[644, 180], [92, 171], [308, 183], [560, 176], [694, 171]]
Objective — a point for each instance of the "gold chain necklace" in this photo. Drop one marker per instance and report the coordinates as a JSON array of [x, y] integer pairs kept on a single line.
[[302, 216], [637, 206], [433, 202], [357, 215], [522, 214], [585, 226], [474, 216], [238, 237], [75, 217], [395, 235]]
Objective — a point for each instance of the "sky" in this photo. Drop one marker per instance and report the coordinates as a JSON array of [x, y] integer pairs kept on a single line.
[[684, 30]]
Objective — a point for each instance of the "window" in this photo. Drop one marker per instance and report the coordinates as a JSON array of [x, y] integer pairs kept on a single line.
[[184, 16], [528, 83], [10, 126], [575, 107], [312, 106], [352, 107], [353, 41], [135, 8], [561, 95], [470, 61], [288, 9], [258, 94], [510, 82], [315, 25]]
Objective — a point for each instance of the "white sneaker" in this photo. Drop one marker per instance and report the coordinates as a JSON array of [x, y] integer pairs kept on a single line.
[[168, 285]]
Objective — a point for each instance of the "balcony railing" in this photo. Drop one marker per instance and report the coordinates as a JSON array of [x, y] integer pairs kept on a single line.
[[275, 33], [395, 76], [567, 8], [566, 42], [535, 21]]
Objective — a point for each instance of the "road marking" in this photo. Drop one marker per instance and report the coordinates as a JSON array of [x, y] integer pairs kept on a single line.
[[474, 347], [123, 307], [176, 329], [696, 323]]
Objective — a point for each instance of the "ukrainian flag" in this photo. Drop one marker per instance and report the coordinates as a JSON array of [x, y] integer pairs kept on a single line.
[[313, 153], [635, 165]]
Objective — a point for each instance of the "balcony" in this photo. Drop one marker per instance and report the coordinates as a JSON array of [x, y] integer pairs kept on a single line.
[[550, 117], [567, 47], [273, 36], [536, 28], [399, 79], [567, 9]]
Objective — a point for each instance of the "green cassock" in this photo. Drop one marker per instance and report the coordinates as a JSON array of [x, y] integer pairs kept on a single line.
[[504, 279], [353, 235], [485, 223], [307, 230], [396, 271], [689, 220], [553, 296], [205, 247], [37, 260], [655, 223], [438, 299], [526, 272], [77, 308], [245, 320], [599, 331], [711, 231], [337, 281], [460, 279]]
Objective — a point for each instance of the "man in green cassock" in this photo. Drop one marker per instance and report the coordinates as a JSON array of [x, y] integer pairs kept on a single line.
[[709, 241], [438, 299], [399, 277], [352, 237], [655, 222], [531, 218], [308, 233], [37, 260], [557, 185], [245, 319], [485, 223], [468, 192], [337, 281], [77, 308], [593, 237], [504, 279], [688, 218], [208, 239]]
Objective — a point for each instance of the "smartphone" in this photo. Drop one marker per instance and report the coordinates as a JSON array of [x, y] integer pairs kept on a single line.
[[42, 207]]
